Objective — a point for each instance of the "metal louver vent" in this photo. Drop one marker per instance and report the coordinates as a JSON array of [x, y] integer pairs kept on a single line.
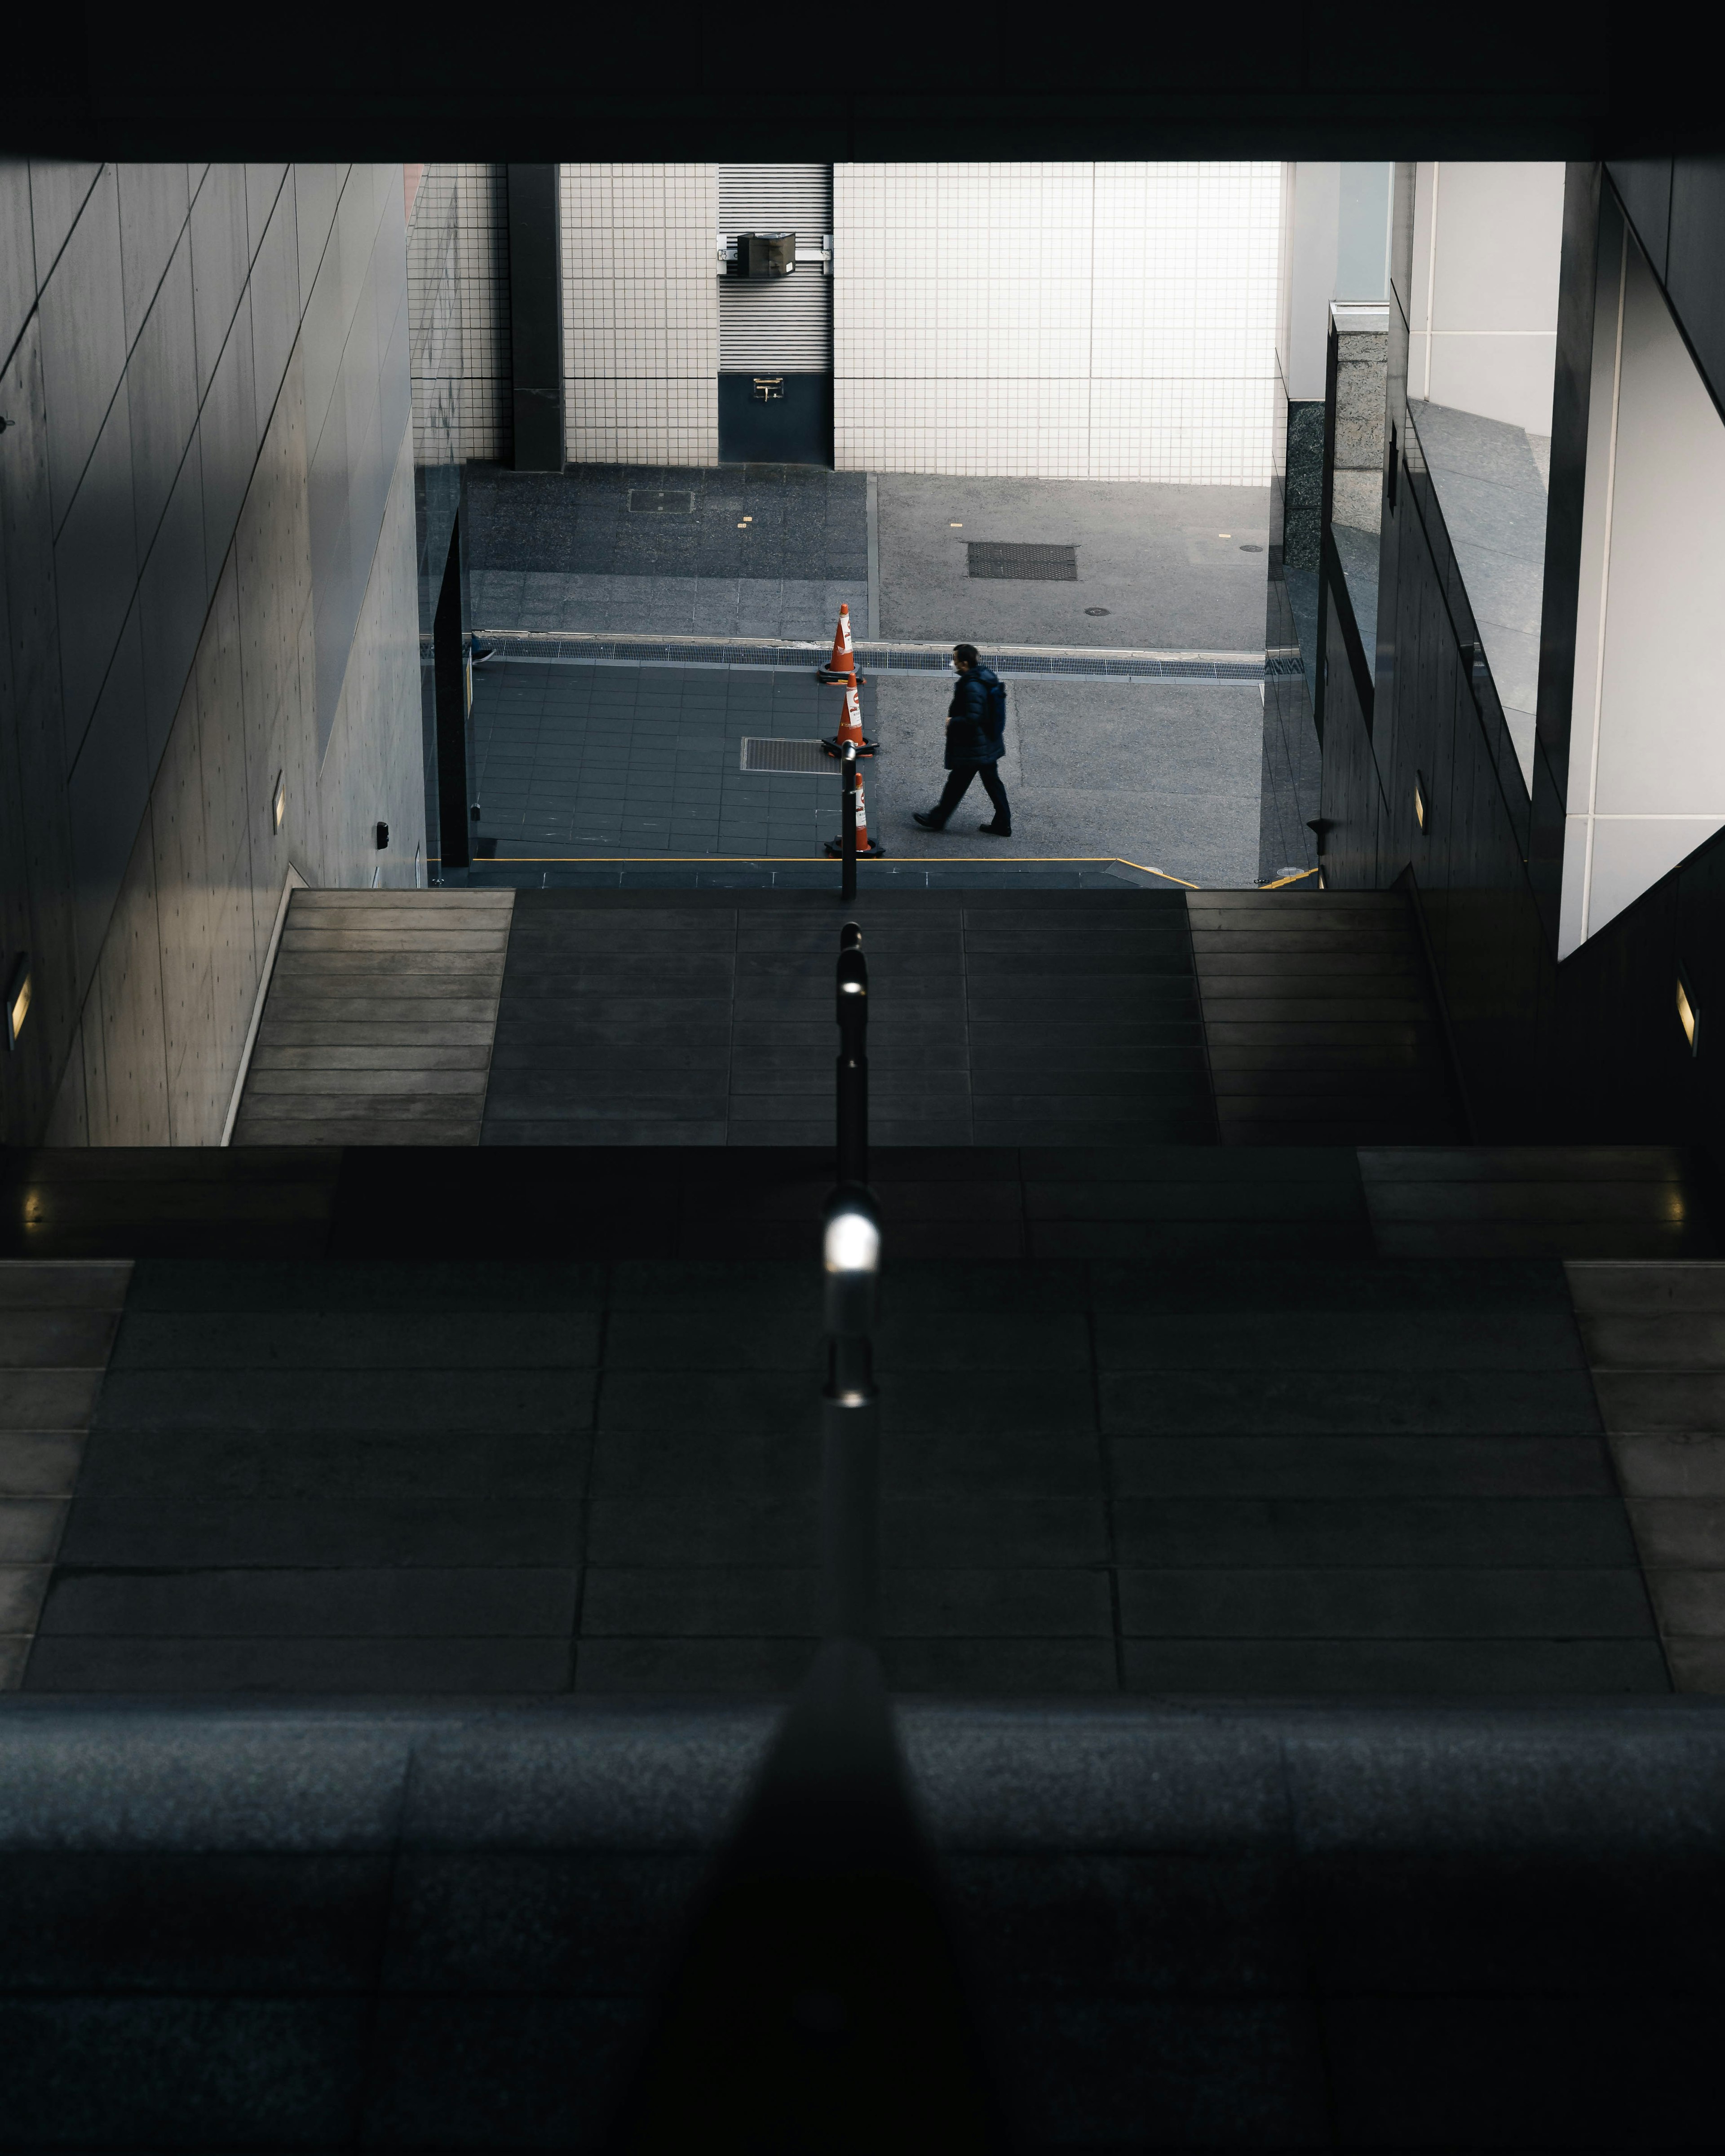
[[806, 759], [784, 324], [1023, 564]]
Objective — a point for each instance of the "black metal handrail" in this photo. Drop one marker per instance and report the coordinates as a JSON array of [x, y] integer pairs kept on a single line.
[[819, 2002], [851, 1256], [850, 1420], [853, 1068], [847, 829]]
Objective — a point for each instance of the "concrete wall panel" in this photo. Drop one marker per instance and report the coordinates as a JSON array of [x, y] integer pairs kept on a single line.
[[84, 340], [95, 567], [38, 877], [59, 189], [276, 301], [154, 205], [18, 251], [220, 260], [106, 791], [161, 663], [162, 393], [173, 596]]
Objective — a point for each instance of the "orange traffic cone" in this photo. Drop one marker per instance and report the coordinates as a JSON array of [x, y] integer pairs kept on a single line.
[[851, 731], [863, 845], [840, 669], [851, 728]]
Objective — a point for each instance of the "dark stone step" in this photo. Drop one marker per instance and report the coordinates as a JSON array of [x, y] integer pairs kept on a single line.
[[1454, 1926]]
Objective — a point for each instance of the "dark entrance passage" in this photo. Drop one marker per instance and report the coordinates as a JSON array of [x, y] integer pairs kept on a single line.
[[776, 419]]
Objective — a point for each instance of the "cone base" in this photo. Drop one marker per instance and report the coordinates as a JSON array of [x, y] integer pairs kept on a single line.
[[871, 852], [835, 747], [828, 679]]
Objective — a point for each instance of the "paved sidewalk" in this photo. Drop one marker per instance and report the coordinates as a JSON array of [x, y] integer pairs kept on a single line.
[[580, 759], [733, 550]]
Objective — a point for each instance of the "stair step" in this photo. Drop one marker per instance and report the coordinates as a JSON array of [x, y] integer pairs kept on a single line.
[[58, 1322]]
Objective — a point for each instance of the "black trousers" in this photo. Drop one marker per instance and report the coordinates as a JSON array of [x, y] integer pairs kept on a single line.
[[959, 780]]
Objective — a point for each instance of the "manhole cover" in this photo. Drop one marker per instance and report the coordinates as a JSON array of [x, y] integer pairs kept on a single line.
[[659, 501], [1098, 610], [763, 752], [1023, 564]]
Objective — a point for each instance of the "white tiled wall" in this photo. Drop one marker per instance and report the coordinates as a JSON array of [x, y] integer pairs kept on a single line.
[[482, 266], [640, 314], [1056, 322]]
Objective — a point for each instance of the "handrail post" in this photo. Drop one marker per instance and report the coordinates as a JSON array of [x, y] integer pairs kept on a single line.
[[847, 780], [851, 1421], [851, 1251], [852, 1090]]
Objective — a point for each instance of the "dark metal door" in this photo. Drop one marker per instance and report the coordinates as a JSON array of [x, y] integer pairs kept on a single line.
[[770, 419]]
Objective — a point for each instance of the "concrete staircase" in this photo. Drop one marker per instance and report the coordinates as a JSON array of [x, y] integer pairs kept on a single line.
[[1319, 1019], [1193, 1419], [1291, 1550], [378, 1024], [1014, 1018], [439, 1927]]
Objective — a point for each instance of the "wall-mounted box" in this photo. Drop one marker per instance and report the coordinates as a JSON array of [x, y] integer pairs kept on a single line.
[[763, 254]]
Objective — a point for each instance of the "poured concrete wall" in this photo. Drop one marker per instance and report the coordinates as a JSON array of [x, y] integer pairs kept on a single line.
[[205, 514]]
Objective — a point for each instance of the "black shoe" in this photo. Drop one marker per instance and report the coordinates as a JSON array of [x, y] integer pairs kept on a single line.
[[927, 823], [994, 830]]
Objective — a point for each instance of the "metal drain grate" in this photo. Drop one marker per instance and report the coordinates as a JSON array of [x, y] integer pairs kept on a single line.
[[660, 501], [765, 752], [1006, 558]]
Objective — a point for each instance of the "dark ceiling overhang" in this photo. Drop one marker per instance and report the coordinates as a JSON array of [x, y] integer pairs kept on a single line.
[[1357, 79]]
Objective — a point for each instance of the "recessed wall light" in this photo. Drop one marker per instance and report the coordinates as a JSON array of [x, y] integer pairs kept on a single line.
[[955, 527], [1421, 812], [17, 999], [1688, 1015], [278, 802]]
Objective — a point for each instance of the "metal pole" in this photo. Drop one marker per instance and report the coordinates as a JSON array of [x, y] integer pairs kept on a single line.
[[852, 1090], [850, 1422], [847, 779]]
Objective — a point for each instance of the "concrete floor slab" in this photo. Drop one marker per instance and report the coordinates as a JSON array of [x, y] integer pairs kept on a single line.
[[1167, 772], [1163, 773], [1170, 563], [1157, 772]]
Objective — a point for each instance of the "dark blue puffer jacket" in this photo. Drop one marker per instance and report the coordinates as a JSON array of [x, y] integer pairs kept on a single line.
[[970, 738]]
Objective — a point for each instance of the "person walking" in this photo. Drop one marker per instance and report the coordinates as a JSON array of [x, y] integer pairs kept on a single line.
[[976, 736]]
